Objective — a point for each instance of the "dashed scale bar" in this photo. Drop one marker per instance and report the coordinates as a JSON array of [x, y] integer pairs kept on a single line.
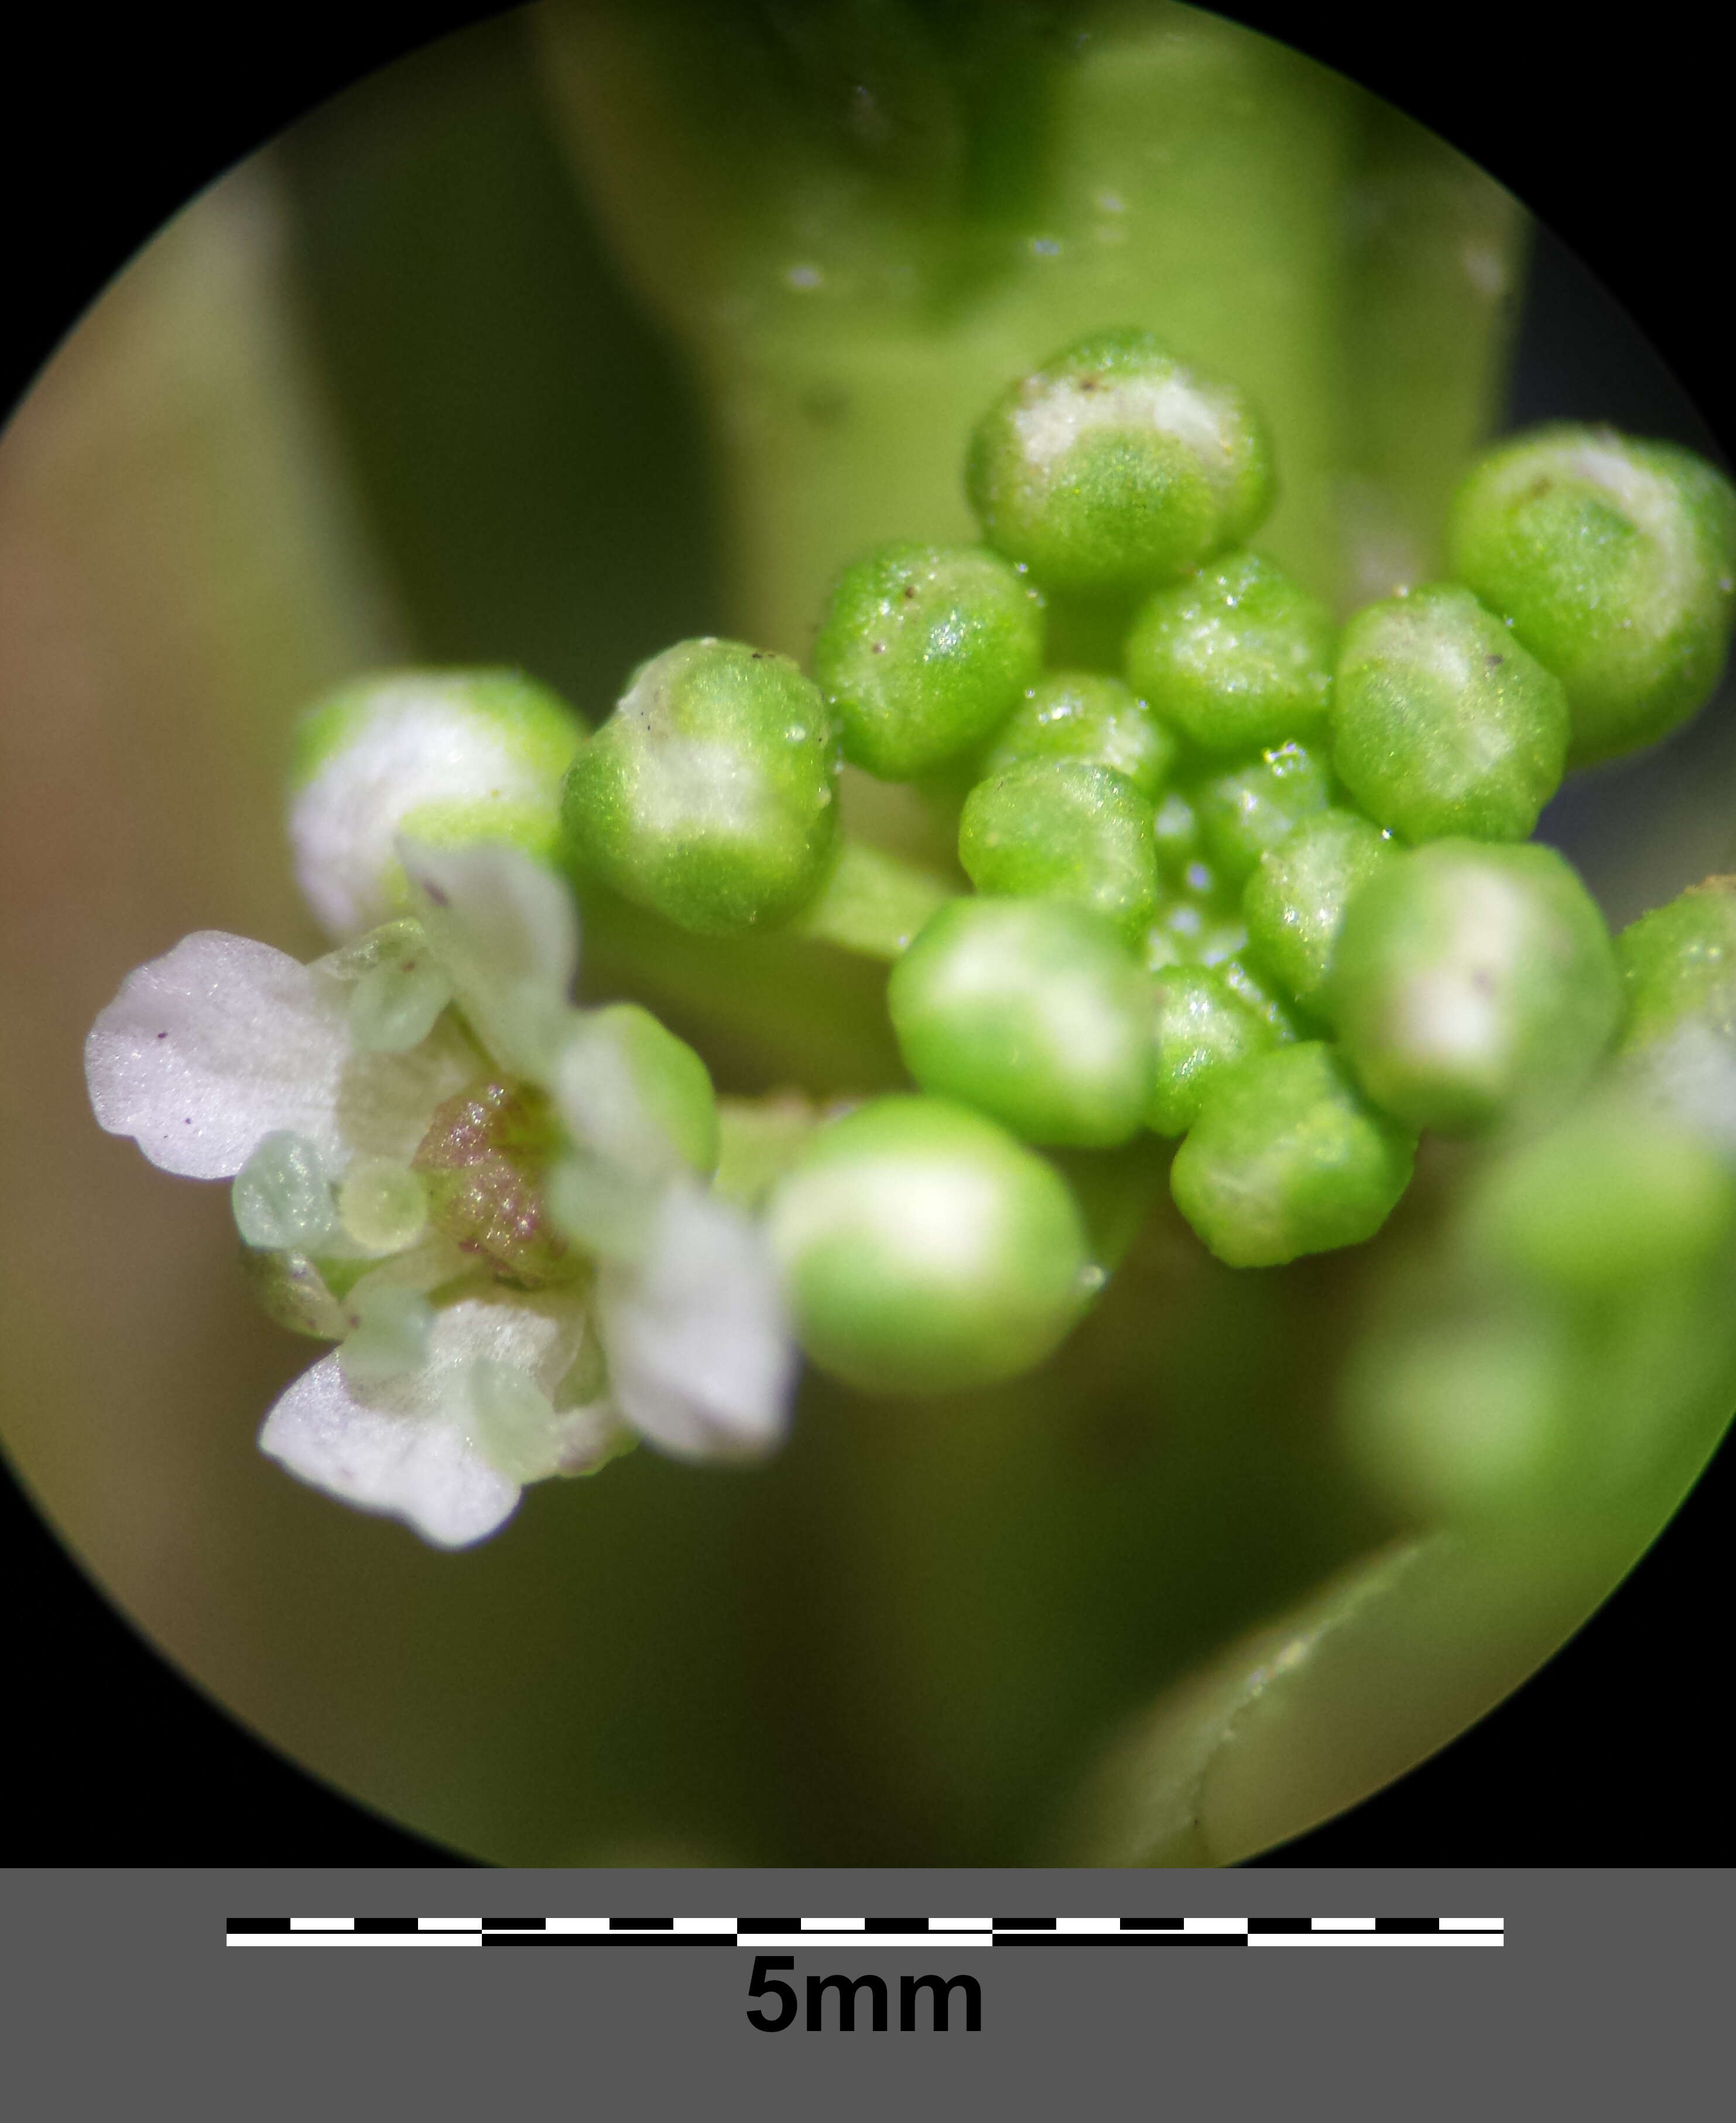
[[780, 1933]]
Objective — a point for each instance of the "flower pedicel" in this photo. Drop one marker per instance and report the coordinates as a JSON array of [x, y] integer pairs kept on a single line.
[[1256, 887]]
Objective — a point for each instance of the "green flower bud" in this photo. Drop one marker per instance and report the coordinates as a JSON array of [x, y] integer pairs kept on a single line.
[[1474, 983], [1031, 1011], [1237, 656], [1244, 976], [1441, 723], [923, 652], [1114, 467], [1200, 1029], [709, 794], [1678, 966], [1462, 1416], [1616, 561], [1295, 901], [1617, 1195], [1056, 829], [446, 758], [925, 1251], [1287, 1157], [1085, 716], [1247, 809]]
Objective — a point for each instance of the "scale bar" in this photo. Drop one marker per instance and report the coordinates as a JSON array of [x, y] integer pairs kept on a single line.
[[777, 1934]]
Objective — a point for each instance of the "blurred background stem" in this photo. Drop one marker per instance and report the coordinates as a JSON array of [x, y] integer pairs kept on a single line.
[[859, 219]]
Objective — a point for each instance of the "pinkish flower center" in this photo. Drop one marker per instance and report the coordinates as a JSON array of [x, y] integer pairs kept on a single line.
[[484, 1157]]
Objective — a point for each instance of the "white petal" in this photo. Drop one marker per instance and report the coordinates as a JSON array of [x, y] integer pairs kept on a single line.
[[386, 1101], [213, 1046], [588, 1437], [389, 1453], [538, 1331], [394, 1447], [700, 1358], [506, 933]]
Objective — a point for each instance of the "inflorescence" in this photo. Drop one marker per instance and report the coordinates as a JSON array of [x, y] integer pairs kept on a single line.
[[1256, 880]]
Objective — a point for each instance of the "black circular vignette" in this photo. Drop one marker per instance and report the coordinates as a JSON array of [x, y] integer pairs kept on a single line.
[[110, 130], [1608, 1756], [115, 1759]]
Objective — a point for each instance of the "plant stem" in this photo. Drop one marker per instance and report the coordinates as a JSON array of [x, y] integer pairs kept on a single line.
[[1437, 253], [873, 903], [848, 321]]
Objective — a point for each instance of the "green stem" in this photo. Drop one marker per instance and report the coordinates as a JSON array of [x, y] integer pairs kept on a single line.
[[850, 314], [770, 1012], [873, 903], [849, 300], [1435, 267]]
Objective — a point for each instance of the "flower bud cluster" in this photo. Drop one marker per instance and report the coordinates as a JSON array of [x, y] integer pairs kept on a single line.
[[1257, 882]]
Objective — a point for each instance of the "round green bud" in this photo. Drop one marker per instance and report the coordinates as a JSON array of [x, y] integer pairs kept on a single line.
[[1032, 1012], [1442, 722], [1113, 467], [1235, 657], [925, 1251], [1616, 561], [1247, 809], [1678, 967], [1617, 1195], [1057, 829], [710, 794], [1474, 983], [1679, 1043], [924, 651], [1242, 973], [447, 757], [1465, 1416], [1200, 1029], [1294, 903], [1085, 716], [1287, 1157], [383, 1205]]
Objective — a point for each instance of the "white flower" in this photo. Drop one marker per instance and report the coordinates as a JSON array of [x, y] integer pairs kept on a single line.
[[428, 1445], [475, 1356]]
